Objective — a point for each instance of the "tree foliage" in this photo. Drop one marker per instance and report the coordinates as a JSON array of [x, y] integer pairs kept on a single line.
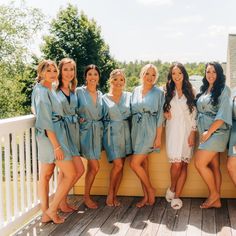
[[73, 35], [17, 25]]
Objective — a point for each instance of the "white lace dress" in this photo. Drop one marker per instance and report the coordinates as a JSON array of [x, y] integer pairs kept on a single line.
[[178, 129]]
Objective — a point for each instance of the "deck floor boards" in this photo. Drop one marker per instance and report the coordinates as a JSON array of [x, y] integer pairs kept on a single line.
[[159, 219]]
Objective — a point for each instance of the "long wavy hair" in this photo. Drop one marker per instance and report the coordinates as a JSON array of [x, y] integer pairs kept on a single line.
[[218, 85], [186, 88], [73, 83]]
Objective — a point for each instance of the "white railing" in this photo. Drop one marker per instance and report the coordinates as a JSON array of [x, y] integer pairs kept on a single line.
[[19, 170]]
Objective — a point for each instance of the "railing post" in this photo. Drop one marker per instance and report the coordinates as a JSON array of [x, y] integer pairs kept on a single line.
[[1, 188], [7, 177]]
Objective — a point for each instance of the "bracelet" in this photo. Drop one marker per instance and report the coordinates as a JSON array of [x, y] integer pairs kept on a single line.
[[57, 148]]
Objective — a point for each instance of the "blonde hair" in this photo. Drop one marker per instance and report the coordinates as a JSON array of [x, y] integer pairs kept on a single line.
[[42, 68], [74, 81], [116, 72], [145, 69]]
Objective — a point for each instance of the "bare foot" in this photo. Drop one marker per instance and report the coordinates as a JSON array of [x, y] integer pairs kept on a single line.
[[142, 203], [54, 217], [151, 196], [65, 208], [210, 204], [90, 203], [109, 200], [116, 202], [45, 218], [212, 201]]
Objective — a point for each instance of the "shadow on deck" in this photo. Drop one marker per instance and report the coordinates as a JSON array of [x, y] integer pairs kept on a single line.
[[159, 219]]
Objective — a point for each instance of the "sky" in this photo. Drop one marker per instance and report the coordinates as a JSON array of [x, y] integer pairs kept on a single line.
[[169, 30]]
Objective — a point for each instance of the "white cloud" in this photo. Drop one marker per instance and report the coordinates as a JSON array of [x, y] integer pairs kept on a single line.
[[188, 19], [219, 30], [156, 2]]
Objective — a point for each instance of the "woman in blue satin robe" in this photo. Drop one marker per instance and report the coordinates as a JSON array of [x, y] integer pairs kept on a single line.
[[52, 142], [231, 163], [68, 101], [147, 117], [89, 110], [116, 138], [214, 120]]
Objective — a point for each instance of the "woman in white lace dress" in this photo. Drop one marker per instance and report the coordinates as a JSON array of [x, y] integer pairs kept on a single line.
[[180, 114]]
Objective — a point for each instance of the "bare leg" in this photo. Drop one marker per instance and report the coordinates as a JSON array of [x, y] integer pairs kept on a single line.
[[144, 200], [202, 160], [119, 178], [79, 168], [46, 172], [115, 179], [215, 167], [231, 166], [68, 170], [137, 166], [175, 171], [181, 180], [92, 170]]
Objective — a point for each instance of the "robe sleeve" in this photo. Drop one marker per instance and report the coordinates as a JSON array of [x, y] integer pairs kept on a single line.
[[43, 109], [160, 115], [225, 107]]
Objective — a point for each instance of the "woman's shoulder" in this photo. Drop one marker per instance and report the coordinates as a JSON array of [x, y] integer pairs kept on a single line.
[[158, 90], [226, 91]]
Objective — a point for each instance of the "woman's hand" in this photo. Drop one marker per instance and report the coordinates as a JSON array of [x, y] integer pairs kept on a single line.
[[59, 154], [191, 139], [157, 143], [167, 115], [205, 136]]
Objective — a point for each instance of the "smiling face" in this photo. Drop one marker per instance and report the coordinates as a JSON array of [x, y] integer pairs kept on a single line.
[[50, 74], [149, 78], [177, 76], [92, 77], [68, 72], [211, 75], [118, 82]]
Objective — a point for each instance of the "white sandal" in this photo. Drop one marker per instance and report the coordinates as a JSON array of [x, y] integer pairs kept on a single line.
[[176, 203], [169, 195]]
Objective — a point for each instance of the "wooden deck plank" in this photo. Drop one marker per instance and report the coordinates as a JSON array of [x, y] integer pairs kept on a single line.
[[195, 218], [182, 218], [80, 219], [140, 221], [124, 224], [35, 227], [208, 222], [129, 220], [168, 221], [110, 224], [93, 227], [232, 214], [155, 217], [222, 220]]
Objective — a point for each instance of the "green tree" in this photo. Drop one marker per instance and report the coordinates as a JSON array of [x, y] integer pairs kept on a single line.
[[17, 25], [74, 35]]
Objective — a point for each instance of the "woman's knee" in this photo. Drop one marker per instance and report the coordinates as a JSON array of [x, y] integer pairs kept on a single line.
[[93, 168], [46, 175], [118, 165]]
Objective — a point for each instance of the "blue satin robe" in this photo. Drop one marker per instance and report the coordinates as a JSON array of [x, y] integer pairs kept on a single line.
[[49, 113], [71, 121], [147, 116], [207, 114], [91, 125], [232, 139], [116, 138]]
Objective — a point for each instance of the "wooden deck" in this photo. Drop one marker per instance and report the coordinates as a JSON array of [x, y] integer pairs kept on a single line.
[[127, 219]]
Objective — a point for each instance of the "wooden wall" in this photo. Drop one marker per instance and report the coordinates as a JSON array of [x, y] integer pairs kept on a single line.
[[159, 173]]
